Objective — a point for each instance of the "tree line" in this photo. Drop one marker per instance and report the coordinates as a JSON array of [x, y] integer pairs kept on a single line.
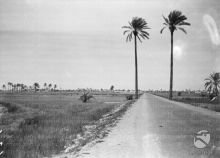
[[17, 87]]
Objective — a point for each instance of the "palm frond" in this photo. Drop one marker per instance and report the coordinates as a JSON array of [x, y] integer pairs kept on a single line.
[[144, 36], [139, 38], [144, 32], [127, 38], [161, 31], [166, 20], [126, 27], [184, 23], [125, 32], [130, 36], [182, 29]]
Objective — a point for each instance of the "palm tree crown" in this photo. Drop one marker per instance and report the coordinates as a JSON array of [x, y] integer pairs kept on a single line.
[[136, 27], [175, 21], [212, 84]]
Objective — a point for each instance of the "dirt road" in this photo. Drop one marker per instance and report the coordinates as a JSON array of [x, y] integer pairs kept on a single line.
[[158, 128]]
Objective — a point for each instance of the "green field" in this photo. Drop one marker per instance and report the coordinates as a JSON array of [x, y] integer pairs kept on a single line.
[[41, 124], [195, 99]]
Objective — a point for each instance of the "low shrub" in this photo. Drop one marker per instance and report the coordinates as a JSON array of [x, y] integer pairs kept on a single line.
[[10, 107], [86, 97], [129, 97]]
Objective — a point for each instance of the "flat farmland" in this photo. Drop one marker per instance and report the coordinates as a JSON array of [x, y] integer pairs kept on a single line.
[[192, 98], [41, 124]]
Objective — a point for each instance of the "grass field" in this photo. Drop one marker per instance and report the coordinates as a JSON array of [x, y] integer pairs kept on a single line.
[[40, 124], [192, 98]]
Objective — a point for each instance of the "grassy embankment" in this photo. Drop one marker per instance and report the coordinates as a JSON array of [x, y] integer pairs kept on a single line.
[[192, 98], [39, 125]]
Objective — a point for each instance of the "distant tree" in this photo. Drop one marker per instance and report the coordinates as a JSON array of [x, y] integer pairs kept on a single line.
[[50, 86], [55, 86], [22, 87], [112, 88], [36, 86], [10, 85], [174, 21], [3, 86], [45, 86], [18, 86], [14, 87], [212, 83], [85, 97], [137, 29]]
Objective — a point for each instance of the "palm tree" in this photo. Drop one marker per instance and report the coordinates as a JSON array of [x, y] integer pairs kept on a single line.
[[50, 85], [45, 86], [36, 86], [137, 28], [22, 87], [3, 86], [10, 85], [112, 88], [55, 86], [18, 85], [212, 83], [174, 21]]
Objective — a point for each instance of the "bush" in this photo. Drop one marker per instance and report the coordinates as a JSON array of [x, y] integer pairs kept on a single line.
[[10, 107], [86, 97], [129, 97]]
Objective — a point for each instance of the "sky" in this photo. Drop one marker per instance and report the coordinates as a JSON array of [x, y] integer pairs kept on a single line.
[[80, 43]]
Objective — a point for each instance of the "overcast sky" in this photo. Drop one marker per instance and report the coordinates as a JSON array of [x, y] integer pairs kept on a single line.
[[79, 43]]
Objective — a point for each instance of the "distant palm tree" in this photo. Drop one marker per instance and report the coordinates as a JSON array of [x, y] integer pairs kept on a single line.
[[22, 87], [174, 21], [36, 86], [3, 86], [18, 85], [212, 83], [137, 28], [112, 88], [50, 85], [45, 86], [55, 86], [10, 86]]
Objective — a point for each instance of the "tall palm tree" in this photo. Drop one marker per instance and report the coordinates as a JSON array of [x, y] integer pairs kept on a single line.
[[212, 84], [136, 28], [174, 21]]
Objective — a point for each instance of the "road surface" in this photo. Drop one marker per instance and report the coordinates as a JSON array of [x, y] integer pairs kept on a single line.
[[155, 127]]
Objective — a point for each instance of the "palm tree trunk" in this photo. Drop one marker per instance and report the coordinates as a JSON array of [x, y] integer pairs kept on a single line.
[[171, 68], [136, 68]]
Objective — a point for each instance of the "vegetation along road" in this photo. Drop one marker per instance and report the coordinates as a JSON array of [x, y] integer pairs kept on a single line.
[[155, 127]]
